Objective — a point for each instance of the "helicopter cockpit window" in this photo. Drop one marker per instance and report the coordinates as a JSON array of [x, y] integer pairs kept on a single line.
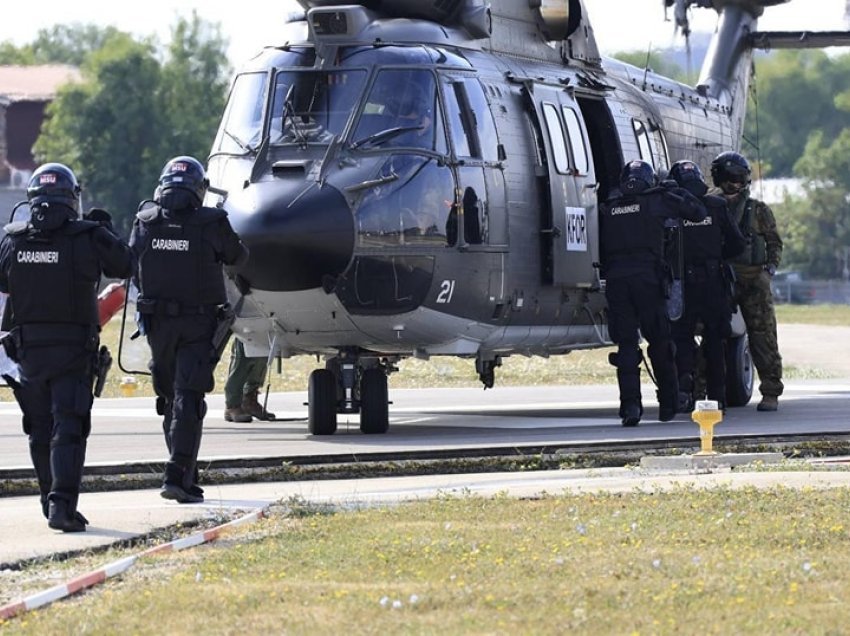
[[576, 139], [242, 124], [311, 106], [556, 138], [401, 111], [642, 136], [412, 208]]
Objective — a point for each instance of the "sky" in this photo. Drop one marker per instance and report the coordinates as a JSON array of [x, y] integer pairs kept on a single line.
[[250, 24]]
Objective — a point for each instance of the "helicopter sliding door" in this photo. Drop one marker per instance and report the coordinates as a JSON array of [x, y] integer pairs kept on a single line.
[[570, 225]]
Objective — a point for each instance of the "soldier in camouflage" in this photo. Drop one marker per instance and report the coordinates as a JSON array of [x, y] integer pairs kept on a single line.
[[753, 269]]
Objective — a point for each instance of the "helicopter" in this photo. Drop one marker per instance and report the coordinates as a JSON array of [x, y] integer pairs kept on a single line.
[[419, 178]]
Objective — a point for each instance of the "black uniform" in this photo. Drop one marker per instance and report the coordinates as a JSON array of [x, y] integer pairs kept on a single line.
[[707, 297], [632, 241], [181, 292], [51, 272]]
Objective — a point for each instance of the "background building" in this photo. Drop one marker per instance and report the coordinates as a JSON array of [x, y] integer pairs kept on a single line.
[[25, 92]]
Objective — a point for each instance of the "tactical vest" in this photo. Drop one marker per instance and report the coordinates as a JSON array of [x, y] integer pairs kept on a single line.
[[630, 232], [756, 251], [704, 239], [51, 275], [177, 263]]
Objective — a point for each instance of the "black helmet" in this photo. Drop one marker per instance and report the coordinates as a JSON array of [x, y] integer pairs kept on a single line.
[[730, 167], [636, 177], [182, 184], [688, 175], [54, 185]]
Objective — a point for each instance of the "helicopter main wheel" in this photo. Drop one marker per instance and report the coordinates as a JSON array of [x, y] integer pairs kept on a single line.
[[374, 402], [739, 371], [321, 402]]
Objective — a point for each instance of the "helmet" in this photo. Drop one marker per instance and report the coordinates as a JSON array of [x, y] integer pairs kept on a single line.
[[636, 177], [182, 184], [688, 175], [730, 167], [54, 185]]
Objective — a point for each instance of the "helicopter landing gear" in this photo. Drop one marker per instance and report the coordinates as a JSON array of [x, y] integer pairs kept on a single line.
[[739, 371], [350, 384], [374, 402], [487, 370], [321, 402]]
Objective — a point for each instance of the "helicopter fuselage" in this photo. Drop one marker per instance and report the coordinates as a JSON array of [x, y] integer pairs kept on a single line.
[[406, 189]]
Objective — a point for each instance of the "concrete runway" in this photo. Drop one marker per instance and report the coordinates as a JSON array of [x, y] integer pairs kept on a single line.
[[128, 430]]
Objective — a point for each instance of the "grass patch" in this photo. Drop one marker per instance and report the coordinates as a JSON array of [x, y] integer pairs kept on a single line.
[[688, 561], [831, 315]]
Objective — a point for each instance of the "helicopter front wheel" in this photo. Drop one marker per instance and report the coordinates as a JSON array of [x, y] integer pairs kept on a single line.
[[321, 402], [374, 401]]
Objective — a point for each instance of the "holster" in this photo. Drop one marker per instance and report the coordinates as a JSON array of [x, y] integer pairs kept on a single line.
[[11, 344], [103, 362], [225, 317]]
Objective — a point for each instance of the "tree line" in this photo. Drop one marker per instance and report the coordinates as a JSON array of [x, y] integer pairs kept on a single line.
[[141, 102]]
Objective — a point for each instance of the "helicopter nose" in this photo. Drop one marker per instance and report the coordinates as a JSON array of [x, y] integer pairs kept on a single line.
[[295, 240]]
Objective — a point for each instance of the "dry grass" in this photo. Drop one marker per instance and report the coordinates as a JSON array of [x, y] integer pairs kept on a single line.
[[685, 562]]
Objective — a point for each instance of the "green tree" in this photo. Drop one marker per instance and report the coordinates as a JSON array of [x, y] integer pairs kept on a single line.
[[193, 88], [816, 230], [795, 97], [103, 126], [132, 112], [59, 44]]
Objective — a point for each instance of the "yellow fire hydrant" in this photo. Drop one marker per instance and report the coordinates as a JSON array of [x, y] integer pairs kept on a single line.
[[127, 386], [706, 414]]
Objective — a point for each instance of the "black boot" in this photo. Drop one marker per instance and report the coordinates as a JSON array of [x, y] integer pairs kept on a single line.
[[176, 488], [630, 413], [61, 517]]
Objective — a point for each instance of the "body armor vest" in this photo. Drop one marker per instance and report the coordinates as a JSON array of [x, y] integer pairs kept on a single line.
[[704, 239], [756, 251], [177, 263], [54, 275], [630, 230]]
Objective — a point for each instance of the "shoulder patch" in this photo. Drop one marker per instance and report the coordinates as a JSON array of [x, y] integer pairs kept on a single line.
[[18, 227], [148, 215]]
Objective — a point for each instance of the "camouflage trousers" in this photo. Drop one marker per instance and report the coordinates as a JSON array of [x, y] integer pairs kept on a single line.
[[753, 295]]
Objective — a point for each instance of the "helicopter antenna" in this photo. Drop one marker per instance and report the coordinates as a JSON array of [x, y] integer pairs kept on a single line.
[[758, 134], [756, 143], [646, 65]]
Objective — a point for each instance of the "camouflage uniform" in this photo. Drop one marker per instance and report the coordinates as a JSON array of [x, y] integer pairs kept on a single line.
[[752, 287]]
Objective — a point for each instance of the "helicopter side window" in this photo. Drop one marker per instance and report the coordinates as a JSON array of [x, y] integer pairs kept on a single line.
[[482, 119], [461, 120], [659, 147], [576, 139], [556, 138], [313, 106], [642, 136], [401, 110], [242, 124]]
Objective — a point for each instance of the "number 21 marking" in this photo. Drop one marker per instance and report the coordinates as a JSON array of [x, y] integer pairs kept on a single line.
[[447, 290]]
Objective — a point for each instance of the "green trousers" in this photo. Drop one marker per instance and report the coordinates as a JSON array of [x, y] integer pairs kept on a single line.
[[244, 375]]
